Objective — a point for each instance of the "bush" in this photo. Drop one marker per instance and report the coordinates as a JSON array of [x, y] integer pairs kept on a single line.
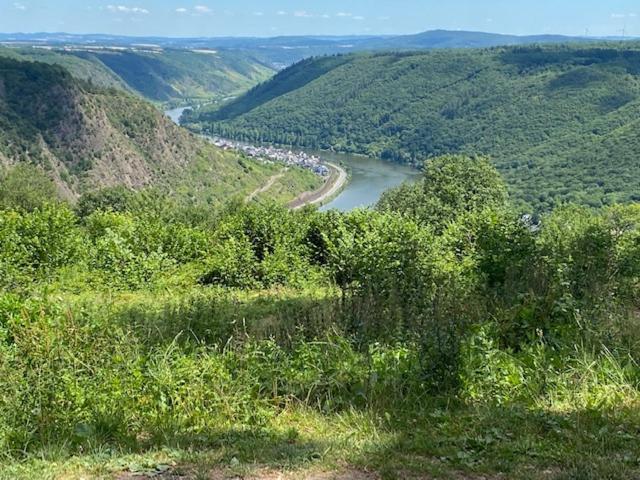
[[34, 245], [26, 188]]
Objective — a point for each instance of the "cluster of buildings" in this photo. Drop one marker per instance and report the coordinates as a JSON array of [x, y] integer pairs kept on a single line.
[[286, 157]]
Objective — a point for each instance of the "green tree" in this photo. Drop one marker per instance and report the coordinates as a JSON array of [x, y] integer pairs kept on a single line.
[[26, 188], [115, 199], [452, 185]]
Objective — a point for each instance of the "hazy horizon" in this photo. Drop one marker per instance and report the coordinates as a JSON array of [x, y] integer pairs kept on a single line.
[[253, 18]]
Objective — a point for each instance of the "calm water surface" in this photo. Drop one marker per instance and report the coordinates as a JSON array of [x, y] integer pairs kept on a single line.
[[370, 177]]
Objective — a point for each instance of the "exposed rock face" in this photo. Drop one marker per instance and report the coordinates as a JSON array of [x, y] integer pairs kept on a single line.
[[84, 136]]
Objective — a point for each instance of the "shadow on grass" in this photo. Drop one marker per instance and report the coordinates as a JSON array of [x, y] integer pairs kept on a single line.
[[215, 317], [511, 442]]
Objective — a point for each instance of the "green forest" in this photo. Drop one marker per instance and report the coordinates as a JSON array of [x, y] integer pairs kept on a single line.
[[559, 122], [166, 76], [439, 335]]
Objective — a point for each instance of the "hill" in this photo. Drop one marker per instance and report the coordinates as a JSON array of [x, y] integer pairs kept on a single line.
[[558, 121], [282, 51], [88, 137], [157, 74]]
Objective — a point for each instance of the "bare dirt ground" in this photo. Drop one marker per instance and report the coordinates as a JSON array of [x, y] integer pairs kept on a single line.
[[263, 474], [266, 186]]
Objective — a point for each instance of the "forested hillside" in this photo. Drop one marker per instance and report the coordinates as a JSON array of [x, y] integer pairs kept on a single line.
[[86, 137], [559, 122], [159, 75]]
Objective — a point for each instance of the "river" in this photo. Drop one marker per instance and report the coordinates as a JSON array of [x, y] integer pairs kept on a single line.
[[370, 177], [175, 114]]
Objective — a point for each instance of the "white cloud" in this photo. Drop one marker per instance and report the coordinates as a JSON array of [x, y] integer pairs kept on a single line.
[[358, 17], [325, 15], [19, 6], [302, 14], [124, 9], [258, 14], [181, 10], [344, 14], [281, 12], [202, 9], [624, 15]]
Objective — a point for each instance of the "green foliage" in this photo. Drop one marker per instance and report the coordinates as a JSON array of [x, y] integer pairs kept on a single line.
[[475, 330], [26, 188], [131, 252], [261, 246], [452, 186], [557, 121], [116, 199], [34, 245], [168, 75]]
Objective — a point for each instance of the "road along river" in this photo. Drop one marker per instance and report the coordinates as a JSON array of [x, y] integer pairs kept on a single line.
[[369, 178]]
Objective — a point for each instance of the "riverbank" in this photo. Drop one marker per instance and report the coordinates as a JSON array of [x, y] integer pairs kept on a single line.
[[334, 184], [367, 180]]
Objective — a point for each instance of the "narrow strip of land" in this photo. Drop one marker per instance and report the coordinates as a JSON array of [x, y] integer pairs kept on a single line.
[[332, 186], [266, 186]]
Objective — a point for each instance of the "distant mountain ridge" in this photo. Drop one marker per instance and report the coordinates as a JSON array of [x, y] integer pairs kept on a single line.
[[285, 50]]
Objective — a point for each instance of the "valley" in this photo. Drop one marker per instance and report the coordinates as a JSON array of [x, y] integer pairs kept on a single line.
[[362, 253], [87, 138], [548, 116]]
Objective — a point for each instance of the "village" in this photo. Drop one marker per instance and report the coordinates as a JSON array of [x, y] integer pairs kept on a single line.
[[287, 157]]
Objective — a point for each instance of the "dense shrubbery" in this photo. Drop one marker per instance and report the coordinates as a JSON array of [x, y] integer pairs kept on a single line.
[[371, 309]]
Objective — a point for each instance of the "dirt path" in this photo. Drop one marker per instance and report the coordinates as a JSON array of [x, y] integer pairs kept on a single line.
[[333, 185], [265, 474], [273, 179]]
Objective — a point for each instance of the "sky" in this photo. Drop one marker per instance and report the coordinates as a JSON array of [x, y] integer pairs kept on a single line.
[[183, 18]]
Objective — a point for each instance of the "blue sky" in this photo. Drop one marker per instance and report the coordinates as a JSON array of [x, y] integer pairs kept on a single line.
[[326, 17]]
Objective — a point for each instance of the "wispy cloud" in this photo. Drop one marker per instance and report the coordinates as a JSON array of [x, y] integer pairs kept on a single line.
[[202, 9], [302, 14], [349, 15], [181, 10], [258, 14], [125, 9], [624, 15], [19, 6], [281, 12]]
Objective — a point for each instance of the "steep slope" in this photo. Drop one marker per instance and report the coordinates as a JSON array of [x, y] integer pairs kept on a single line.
[[159, 75], [559, 121], [87, 137]]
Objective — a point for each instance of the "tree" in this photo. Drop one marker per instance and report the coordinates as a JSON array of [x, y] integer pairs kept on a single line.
[[115, 199], [26, 188], [452, 185]]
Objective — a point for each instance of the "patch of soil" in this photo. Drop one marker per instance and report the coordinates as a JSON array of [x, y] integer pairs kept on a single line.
[[222, 474]]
